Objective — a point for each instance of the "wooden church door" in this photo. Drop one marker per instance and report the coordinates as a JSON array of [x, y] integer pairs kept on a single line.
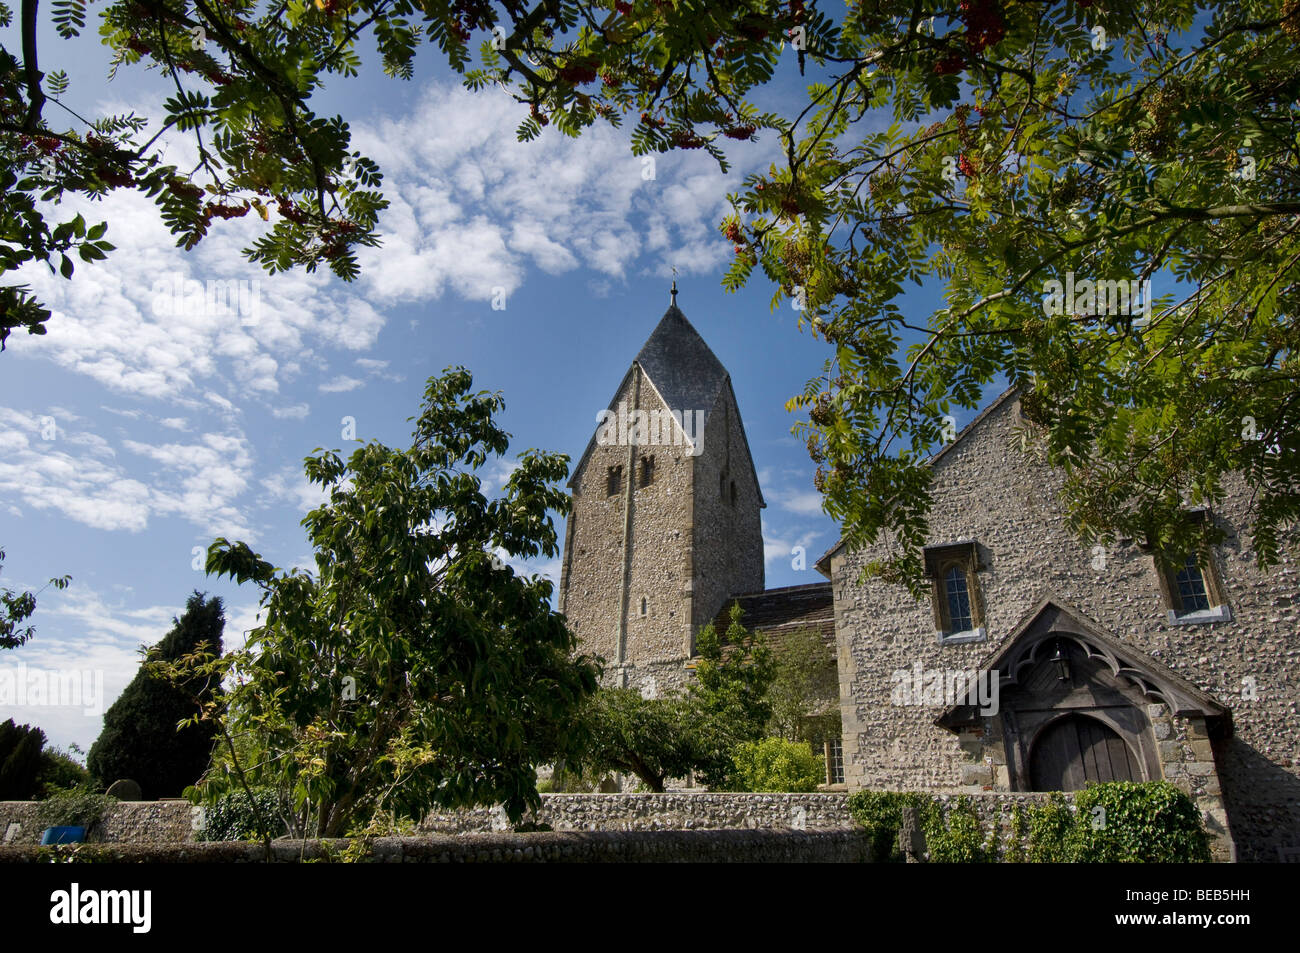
[[1077, 749]]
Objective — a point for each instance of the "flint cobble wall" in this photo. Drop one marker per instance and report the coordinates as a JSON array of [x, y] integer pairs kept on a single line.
[[655, 812], [127, 822], [573, 847]]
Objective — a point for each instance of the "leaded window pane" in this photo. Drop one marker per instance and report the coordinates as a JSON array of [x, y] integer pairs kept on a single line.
[[1192, 596], [959, 614]]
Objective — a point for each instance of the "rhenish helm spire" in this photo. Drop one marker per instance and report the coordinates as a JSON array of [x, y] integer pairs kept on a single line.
[[666, 522]]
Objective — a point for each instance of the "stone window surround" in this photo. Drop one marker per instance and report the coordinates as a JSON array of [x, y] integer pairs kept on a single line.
[[939, 558], [1166, 575]]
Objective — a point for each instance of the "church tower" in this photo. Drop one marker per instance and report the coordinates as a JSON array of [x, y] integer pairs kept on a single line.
[[665, 524]]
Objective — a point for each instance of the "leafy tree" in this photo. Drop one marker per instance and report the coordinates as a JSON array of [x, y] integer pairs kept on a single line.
[[775, 764], [413, 668], [20, 760], [805, 690], [17, 608], [652, 738], [143, 737], [61, 771], [732, 676], [242, 75], [1029, 143]]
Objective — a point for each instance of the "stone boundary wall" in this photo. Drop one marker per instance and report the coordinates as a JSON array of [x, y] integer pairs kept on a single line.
[[126, 822], [659, 812], [734, 846], [141, 824]]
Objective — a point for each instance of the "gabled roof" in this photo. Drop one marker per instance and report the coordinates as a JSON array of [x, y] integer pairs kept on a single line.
[[1053, 618], [823, 564]]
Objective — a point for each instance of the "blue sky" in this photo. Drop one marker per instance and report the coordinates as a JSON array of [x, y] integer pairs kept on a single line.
[[128, 438]]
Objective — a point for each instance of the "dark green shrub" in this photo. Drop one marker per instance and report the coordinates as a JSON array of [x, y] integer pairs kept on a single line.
[[1127, 822], [59, 771], [20, 760], [232, 816]]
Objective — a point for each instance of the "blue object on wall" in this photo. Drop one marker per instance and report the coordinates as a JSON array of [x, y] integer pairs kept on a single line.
[[63, 835]]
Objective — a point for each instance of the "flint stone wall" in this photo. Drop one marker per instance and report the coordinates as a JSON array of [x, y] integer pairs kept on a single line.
[[757, 846], [661, 812], [127, 822]]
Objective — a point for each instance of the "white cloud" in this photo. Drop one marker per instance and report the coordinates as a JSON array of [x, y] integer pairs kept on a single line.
[[782, 549], [473, 208], [807, 503], [293, 412], [110, 633], [291, 485], [341, 384], [80, 476]]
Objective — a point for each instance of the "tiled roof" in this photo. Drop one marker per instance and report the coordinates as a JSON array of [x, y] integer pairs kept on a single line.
[[778, 612]]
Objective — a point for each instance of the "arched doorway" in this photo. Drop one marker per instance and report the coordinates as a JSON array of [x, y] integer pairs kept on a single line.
[[1076, 749]]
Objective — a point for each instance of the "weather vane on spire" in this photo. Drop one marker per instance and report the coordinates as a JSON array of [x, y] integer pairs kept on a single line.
[[673, 302]]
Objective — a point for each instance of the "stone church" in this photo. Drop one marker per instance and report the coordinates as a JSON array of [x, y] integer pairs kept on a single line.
[[1036, 663]]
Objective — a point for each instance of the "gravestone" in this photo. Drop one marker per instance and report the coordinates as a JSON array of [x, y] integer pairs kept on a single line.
[[911, 839], [125, 790]]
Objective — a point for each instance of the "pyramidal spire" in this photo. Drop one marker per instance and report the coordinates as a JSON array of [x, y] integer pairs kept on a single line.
[[687, 374]]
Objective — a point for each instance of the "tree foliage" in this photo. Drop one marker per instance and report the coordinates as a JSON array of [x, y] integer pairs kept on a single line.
[[20, 760], [652, 738], [997, 147], [805, 689], [697, 730], [145, 736], [240, 78], [17, 607], [61, 771], [994, 146], [733, 674], [413, 668]]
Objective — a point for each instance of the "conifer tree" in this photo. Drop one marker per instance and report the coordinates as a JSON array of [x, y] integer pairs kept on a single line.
[[140, 739], [20, 760]]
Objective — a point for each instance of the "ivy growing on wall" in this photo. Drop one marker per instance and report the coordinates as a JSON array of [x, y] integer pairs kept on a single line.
[[1121, 821]]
